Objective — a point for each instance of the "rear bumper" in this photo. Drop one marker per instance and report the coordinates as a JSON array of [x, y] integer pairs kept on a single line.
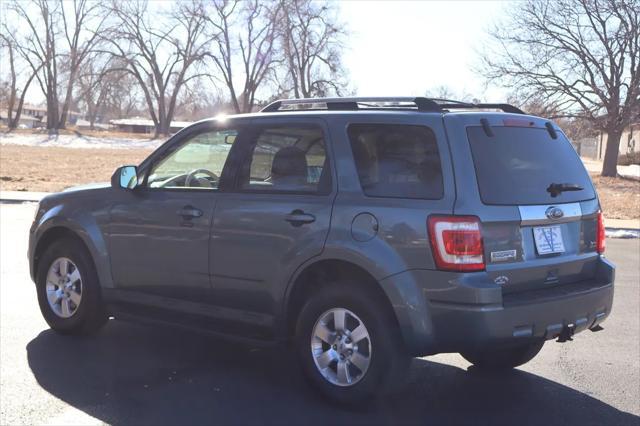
[[446, 312], [582, 306]]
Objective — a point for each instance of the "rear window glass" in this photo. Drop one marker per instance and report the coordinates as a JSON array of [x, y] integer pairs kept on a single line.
[[516, 166], [399, 161]]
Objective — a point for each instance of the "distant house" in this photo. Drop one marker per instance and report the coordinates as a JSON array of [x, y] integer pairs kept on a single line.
[[86, 125], [35, 111], [39, 114], [26, 121], [629, 141], [144, 125]]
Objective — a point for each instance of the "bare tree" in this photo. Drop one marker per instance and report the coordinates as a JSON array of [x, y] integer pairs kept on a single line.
[[248, 31], [312, 47], [580, 56], [160, 51], [48, 22], [7, 45], [199, 100], [446, 92], [102, 86], [81, 42], [13, 95], [38, 47]]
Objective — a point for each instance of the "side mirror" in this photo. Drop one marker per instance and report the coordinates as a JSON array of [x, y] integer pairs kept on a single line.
[[125, 177], [230, 139]]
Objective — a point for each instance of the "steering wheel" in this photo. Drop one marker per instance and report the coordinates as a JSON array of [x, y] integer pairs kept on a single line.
[[192, 175]]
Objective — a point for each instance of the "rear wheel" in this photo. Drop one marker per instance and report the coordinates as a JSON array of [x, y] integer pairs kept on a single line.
[[503, 358], [68, 289], [348, 345]]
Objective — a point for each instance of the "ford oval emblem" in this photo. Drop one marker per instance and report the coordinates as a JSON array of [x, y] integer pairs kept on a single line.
[[554, 212]]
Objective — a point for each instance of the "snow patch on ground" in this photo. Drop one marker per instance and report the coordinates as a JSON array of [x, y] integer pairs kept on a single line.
[[622, 233], [78, 141]]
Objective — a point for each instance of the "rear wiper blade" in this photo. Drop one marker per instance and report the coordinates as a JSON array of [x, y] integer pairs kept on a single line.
[[556, 189]]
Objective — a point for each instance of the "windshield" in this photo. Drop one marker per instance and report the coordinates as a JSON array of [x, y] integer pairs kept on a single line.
[[518, 165]]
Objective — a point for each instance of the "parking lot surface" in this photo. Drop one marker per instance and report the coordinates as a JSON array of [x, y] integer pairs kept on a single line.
[[133, 374]]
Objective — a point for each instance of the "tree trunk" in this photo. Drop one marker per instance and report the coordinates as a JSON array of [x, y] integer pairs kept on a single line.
[[610, 164], [163, 127], [12, 95], [13, 123], [62, 123]]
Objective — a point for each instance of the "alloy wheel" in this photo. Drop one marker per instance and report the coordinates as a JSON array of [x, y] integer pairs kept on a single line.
[[341, 347], [64, 287]]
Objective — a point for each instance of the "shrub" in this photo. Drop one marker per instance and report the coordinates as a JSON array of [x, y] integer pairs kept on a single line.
[[630, 158]]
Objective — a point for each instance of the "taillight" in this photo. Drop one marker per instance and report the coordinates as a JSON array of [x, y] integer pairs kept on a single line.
[[456, 242], [601, 233]]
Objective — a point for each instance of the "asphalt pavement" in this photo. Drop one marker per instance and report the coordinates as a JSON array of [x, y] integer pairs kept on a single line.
[[133, 374]]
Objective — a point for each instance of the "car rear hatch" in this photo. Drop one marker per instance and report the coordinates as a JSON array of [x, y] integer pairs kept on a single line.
[[535, 202]]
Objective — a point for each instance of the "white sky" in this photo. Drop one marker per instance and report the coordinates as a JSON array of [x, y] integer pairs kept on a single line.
[[407, 47], [404, 48]]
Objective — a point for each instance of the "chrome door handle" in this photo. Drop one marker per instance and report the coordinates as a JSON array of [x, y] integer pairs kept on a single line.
[[189, 212], [299, 218]]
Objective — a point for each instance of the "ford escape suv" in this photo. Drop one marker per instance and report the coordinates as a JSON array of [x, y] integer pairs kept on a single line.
[[365, 231]]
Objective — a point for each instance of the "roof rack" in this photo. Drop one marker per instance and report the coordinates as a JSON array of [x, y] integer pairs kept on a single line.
[[421, 104], [354, 104]]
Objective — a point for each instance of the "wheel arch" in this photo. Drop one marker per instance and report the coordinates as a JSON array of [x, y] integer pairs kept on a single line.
[[314, 276], [56, 231], [50, 236], [400, 293]]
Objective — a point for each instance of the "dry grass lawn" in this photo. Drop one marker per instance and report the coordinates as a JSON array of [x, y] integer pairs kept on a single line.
[[26, 168], [620, 198], [51, 169]]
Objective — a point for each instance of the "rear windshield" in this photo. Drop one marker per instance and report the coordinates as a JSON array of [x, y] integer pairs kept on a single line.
[[397, 160], [516, 166]]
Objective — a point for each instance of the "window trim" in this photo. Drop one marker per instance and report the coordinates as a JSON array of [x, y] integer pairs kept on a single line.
[[355, 166], [249, 142]]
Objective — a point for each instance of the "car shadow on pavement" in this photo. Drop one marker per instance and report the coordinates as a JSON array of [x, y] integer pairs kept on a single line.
[[131, 374]]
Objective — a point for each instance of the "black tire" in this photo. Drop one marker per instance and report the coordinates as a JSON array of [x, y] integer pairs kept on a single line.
[[389, 361], [89, 316], [503, 357]]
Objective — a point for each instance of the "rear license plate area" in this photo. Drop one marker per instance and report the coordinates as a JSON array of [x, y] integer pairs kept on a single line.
[[548, 239]]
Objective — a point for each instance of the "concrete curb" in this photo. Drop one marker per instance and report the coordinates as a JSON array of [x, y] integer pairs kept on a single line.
[[22, 196]]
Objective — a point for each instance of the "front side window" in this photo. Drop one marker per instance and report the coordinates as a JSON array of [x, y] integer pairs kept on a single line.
[[287, 159], [397, 160], [197, 164]]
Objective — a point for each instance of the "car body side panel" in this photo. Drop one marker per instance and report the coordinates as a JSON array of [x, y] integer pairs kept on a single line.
[[397, 240], [254, 250]]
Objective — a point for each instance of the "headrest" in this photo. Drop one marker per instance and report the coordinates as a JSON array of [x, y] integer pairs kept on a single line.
[[289, 161]]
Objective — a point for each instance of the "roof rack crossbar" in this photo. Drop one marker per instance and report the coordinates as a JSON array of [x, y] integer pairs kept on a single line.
[[464, 105], [421, 104]]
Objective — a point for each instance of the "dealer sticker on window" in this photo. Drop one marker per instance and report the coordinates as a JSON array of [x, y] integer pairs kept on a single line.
[[548, 239]]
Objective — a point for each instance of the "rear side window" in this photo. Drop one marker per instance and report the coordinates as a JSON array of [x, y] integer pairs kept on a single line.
[[287, 159], [397, 160], [516, 166]]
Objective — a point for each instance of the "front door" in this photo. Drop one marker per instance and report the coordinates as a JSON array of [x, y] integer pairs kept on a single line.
[[159, 232], [276, 216]]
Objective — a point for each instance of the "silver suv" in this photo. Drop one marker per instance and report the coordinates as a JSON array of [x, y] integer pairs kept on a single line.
[[365, 231]]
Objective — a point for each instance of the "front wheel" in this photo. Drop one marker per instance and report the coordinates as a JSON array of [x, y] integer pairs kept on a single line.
[[503, 358], [68, 289], [349, 345]]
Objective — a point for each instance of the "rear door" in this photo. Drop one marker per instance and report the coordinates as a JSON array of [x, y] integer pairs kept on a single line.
[[275, 217], [535, 200]]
